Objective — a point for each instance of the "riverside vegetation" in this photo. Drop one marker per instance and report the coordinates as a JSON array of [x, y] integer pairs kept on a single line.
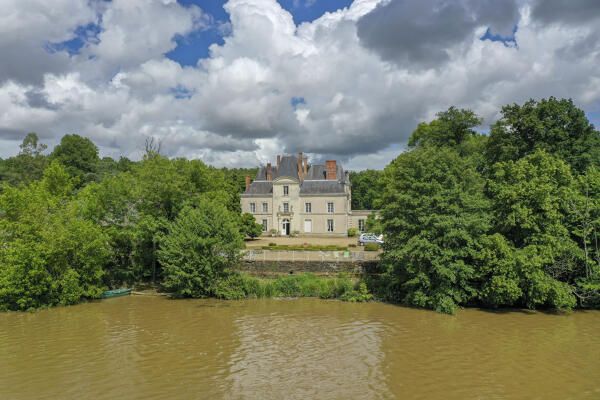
[[504, 219]]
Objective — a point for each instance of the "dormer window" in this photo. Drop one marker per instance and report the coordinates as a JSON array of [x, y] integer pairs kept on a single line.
[[286, 190]]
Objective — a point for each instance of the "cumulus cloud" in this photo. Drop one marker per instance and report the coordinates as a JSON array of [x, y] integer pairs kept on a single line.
[[351, 84]]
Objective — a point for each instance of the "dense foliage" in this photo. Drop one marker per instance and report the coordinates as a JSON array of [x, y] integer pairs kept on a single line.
[[505, 220]]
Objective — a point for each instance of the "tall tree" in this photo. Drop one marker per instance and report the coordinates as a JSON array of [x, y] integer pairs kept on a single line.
[[434, 210], [556, 126], [79, 155], [450, 128]]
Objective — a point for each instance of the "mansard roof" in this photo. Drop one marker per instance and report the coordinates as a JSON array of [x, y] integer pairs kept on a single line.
[[314, 183]]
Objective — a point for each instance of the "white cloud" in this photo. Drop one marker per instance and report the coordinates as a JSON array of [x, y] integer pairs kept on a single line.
[[234, 108]]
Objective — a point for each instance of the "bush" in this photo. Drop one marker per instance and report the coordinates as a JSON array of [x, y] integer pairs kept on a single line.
[[352, 245], [371, 247], [272, 244], [352, 232]]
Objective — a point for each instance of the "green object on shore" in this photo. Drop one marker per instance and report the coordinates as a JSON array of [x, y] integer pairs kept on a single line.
[[116, 293]]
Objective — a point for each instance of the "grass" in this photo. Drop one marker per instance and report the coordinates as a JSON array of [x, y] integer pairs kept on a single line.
[[304, 247], [241, 286]]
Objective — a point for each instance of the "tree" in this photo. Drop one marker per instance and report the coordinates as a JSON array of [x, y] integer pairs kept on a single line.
[[200, 246], [434, 210], [51, 254], [556, 126], [79, 155], [530, 206], [365, 189], [249, 227], [451, 128], [28, 165]]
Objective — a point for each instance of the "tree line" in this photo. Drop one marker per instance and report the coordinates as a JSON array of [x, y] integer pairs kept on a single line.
[[507, 218]]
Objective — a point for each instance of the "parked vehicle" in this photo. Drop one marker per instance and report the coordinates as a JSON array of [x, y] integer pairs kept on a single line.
[[369, 238]]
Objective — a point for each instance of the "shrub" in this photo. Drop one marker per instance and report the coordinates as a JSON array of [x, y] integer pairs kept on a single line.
[[371, 247], [272, 244], [352, 245], [352, 232]]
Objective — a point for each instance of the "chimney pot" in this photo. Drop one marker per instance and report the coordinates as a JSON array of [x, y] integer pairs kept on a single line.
[[300, 169], [305, 165], [247, 182], [269, 177]]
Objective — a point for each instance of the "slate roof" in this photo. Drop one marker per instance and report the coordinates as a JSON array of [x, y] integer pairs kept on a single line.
[[314, 182]]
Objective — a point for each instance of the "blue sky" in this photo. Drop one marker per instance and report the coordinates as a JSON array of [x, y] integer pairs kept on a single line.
[[195, 45]]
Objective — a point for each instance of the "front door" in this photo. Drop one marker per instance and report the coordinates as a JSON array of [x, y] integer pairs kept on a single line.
[[307, 225], [286, 227]]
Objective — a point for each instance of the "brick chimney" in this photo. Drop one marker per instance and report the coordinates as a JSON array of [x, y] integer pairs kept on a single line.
[[269, 177], [305, 165], [278, 161], [331, 170], [247, 182], [300, 169]]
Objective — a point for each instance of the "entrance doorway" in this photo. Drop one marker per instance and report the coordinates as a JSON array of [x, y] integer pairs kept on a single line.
[[286, 227]]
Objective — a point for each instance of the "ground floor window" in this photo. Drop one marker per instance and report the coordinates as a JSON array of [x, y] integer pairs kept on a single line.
[[265, 225], [361, 225], [329, 225]]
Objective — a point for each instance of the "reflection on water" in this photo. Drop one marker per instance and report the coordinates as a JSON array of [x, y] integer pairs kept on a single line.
[[155, 348]]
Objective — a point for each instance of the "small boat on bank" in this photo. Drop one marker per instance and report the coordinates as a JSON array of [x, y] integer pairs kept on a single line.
[[115, 293]]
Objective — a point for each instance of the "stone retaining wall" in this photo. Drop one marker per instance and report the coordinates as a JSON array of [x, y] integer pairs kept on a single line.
[[273, 269]]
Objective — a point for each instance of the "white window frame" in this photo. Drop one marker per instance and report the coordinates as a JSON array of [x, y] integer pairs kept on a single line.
[[265, 225], [330, 226], [308, 207], [330, 208], [252, 208], [286, 207], [286, 190], [265, 207]]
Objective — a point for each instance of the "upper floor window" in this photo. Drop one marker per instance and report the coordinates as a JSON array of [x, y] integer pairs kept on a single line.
[[252, 208], [308, 207], [286, 207], [286, 190], [265, 207], [329, 207]]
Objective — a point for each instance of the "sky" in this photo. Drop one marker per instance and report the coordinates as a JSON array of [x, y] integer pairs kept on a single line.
[[237, 82]]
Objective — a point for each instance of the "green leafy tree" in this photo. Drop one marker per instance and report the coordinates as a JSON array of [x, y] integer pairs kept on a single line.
[[200, 246], [249, 227], [530, 198], [79, 155], [28, 165], [366, 189], [51, 255], [556, 126], [451, 128], [434, 210]]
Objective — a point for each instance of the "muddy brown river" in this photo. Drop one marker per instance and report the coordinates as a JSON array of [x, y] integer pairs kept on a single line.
[[141, 347]]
